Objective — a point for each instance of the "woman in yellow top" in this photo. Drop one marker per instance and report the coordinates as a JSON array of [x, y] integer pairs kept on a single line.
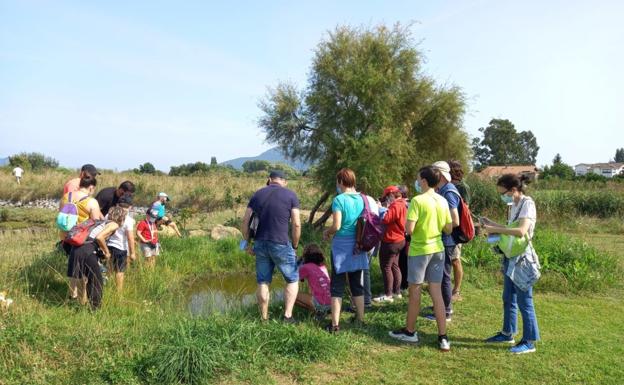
[[427, 218], [88, 208]]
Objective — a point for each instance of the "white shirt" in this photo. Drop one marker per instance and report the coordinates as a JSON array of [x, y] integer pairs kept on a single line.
[[525, 209], [119, 239], [17, 171]]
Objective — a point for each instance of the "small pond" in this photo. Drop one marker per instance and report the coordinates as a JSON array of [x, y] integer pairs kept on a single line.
[[221, 293]]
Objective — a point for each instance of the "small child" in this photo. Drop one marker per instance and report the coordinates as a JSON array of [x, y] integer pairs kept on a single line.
[[147, 231], [314, 270]]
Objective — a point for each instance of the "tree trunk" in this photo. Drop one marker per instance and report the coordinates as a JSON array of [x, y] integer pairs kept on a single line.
[[318, 204], [321, 221]]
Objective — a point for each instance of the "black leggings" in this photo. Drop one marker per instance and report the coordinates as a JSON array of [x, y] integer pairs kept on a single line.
[[89, 268], [356, 283]]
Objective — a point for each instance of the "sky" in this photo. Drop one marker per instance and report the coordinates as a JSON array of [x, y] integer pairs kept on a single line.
[[120, 83]]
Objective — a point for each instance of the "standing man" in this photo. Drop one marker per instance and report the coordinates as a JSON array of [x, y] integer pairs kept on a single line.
[[74, 184], [428, 217], [17, 172], [276, 207], [109, 197], [451, 194]]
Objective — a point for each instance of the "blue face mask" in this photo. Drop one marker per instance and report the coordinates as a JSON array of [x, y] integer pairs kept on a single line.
[[338, 190], [417, 187], [506, 198]]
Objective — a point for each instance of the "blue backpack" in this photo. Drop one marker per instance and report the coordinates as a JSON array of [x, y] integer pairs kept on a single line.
[[67, 216]]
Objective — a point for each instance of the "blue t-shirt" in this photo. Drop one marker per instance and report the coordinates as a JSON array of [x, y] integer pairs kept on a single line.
[[275, 203], [158, 206], [451, 194], [351, 206]]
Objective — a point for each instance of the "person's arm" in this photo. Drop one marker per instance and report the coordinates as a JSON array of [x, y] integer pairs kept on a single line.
[[335, 227], [131, 245], [519, 231], [109, 229], [141, 239], [454, 218], [390, 215], [94, 210], [245, 225], [410, 226], [296, 226]]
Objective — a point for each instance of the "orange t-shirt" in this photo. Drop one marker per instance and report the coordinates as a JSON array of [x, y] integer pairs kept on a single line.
[[71, 185]]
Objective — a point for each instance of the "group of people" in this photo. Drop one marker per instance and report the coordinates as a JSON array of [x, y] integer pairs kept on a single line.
[[420, 230], [111, 235]]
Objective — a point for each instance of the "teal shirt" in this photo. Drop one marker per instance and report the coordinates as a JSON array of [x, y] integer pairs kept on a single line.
[[351, 206]]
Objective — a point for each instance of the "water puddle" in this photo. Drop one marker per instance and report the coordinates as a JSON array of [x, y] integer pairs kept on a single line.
[[226, 292]]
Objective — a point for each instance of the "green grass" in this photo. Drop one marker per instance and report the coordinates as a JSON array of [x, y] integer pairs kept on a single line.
[[147, 336]]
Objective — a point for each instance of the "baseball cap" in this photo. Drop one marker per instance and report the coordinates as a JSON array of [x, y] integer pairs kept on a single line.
[[89, 169], [390, 190], [444, 169], [277, 174], [163, 195]]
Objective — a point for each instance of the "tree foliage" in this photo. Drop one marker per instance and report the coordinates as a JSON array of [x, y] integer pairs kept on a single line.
[[366, 106], [558, 170], [503, 145], [33, 161], [251, 166], [198, 168], [146, 168], [619, 155], [213, 161]]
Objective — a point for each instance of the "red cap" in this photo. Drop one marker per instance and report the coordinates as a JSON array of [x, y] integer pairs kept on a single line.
[[390, 190]]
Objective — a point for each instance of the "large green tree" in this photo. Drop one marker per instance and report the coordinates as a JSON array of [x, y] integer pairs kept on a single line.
[[559, 169], [366, 106], [34, 161], [503, 145]]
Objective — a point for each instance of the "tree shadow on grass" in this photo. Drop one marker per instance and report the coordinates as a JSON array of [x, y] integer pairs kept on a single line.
[[45, 279]]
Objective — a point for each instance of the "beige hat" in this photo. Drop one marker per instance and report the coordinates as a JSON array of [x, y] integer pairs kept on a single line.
[[444, 169]]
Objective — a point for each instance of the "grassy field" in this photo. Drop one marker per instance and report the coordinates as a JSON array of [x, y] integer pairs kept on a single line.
[[147, 335]]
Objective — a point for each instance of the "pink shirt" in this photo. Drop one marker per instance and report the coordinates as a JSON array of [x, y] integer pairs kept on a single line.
[[71, 185], [318, 280]]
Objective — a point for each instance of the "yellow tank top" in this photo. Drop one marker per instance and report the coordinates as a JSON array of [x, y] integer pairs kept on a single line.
[[81, 204]]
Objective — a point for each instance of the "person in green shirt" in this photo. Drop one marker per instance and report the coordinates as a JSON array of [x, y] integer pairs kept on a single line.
[[427, 218]]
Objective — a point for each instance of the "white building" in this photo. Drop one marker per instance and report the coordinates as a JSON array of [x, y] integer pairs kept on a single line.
[[608, 170]]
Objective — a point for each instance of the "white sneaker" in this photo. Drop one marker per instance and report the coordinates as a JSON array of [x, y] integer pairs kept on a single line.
[[404, 335], [397, 296], [383, 298], [444, 344]]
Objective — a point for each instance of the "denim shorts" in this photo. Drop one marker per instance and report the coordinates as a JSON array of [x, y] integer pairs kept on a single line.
[[269, 255]]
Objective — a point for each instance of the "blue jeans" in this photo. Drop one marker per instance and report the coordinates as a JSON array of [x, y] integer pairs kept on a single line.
[[270, 254], [514, 299]]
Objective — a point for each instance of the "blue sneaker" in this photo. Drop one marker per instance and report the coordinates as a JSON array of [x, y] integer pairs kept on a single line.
[[523, 347], [500, 338]]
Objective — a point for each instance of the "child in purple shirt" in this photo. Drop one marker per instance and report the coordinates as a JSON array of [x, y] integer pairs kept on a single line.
[[314, 270]]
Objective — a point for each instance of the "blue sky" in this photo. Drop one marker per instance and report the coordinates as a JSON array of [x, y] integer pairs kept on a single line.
[[176, 82]]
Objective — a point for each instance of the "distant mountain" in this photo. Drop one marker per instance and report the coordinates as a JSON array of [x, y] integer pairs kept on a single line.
[[4, 161], [273, 155]]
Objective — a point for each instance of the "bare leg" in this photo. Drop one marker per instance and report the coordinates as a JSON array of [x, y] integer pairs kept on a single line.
[[119, 280], [336, 304], [304, 300], [435, 290], [359, 307], [175, 228], [458, 275], [73, 288], [263, 296], [290, 296], [413, 307], [82, 291]]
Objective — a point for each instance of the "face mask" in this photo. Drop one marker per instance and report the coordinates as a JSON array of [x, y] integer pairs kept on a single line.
[[151, 220], [417, 186], [338, 190], [506, 198]]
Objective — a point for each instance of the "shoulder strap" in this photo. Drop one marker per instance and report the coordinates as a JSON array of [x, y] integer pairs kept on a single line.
[[69, 197], [519, 209], [365, 198]]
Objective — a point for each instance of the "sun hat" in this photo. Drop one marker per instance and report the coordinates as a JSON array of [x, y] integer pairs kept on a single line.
[[444, 169]]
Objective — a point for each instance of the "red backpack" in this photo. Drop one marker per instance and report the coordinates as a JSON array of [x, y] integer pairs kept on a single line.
[[79, 234], [465, 232]]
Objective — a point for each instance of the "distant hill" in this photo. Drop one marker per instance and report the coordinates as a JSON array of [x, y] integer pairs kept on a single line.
[[273, 155], [4, 161]]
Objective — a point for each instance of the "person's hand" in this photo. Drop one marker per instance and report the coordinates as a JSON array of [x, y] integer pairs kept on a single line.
[[107, 255], [249, 249], [133, 257], [327, 235], [488, 229]]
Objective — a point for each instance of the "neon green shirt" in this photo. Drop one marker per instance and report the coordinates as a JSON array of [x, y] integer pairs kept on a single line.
[[431, 213]]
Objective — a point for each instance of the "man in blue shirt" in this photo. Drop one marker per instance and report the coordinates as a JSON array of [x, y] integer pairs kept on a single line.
[[276, 207], [451, 194]]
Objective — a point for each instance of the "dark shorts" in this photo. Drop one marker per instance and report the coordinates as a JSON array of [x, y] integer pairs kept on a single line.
[[164, 221], [119, 259]]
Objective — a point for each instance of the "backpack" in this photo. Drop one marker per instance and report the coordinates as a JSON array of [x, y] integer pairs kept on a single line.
[[465, 232], [79, 234], [67, 216], [369, 229]]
